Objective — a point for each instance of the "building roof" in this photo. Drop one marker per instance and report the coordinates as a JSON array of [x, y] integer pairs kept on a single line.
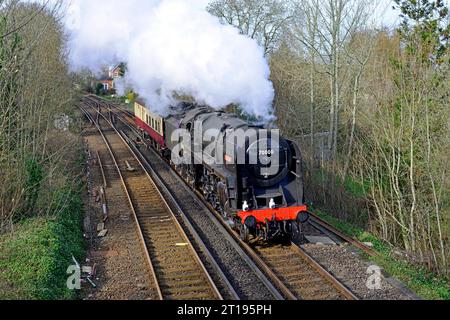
[[105, 78], [116, 67]]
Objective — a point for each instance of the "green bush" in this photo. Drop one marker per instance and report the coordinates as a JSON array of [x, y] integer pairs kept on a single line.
[[35, 176], [34, 260], [99, 89]]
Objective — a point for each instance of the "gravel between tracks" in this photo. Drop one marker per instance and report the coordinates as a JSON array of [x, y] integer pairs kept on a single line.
[[121, 267], [351, 269], [246, 284]]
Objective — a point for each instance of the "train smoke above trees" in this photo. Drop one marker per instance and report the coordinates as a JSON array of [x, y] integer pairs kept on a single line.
[[171, 46]]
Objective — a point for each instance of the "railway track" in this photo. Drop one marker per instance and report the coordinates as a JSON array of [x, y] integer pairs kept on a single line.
[[302, 276], [176, 269], [328, 229], [290, 268]]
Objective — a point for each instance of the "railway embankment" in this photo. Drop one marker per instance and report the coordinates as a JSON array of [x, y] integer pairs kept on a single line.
[[34, 259], [395, 263], [40, 246]]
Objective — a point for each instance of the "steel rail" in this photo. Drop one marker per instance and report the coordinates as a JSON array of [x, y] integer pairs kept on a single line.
[[343, 236], [166, 205], [338, 285], [186, 221], [154, 279], [192, 230], [198, 261]]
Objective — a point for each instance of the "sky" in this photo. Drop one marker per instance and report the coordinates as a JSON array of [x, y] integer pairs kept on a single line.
[[389, 16], [385, 13]]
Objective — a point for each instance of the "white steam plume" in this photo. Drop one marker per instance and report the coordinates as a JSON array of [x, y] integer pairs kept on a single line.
[[172, 46]]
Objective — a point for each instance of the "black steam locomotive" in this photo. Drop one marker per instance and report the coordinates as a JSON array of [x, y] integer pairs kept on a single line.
[[251, 175]]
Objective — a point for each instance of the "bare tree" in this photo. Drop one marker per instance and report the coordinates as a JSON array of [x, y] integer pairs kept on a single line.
[[358, 54], [325, 28], [401, 146], [262, 20], [34, 89]]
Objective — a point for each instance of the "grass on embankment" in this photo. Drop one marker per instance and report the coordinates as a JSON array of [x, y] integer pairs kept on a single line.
[[34, 259], [426, 284]]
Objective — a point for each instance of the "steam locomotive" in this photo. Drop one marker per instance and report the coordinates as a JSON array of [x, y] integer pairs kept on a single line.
[[233, 168]]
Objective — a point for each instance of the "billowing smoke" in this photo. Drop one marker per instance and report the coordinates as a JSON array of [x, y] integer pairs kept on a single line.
[[171, 46]]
